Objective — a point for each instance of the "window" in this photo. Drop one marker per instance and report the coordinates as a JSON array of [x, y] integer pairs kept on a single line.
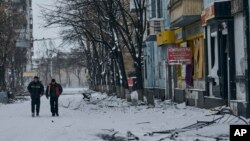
[[156, 9], [146, 73], [153, 8], [159, 9]]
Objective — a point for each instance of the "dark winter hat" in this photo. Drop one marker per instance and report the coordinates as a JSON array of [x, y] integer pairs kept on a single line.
[[53, 80], [36, 77]]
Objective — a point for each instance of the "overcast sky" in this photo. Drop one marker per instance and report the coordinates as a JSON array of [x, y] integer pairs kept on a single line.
[[39, 32]]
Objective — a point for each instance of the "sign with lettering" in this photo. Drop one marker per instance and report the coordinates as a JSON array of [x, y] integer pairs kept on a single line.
[[193, 29], [210, 12], [203, 18], [178, 34], [179, 55]]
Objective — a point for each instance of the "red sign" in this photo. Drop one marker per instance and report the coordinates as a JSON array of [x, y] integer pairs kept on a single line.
[[130, 81], [203, 18], [207, 14], [180, 55], [210, 13]]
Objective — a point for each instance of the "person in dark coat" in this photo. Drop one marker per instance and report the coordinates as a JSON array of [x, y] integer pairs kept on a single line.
[[54, 90], [36, 90]]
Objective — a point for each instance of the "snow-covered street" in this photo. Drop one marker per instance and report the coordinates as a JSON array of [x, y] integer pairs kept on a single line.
[[95, 120]]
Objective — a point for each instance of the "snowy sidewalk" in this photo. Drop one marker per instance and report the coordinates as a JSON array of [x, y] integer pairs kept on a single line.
[[92, 120]]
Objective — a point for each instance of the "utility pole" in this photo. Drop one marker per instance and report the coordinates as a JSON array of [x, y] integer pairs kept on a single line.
[[49, 52]]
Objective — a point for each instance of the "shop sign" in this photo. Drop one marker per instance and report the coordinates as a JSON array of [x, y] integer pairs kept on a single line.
[[130, 82], [179, 55], [193, 29], [203, 18], [178, 34], [209, 12], [28, 74]]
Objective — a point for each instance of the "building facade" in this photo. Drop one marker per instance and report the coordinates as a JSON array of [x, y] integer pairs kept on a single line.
[[215, 35], [189, 80], [154, 55], [24, 41]]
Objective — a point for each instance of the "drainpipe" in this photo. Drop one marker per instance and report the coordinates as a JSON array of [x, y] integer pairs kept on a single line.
[[231, 62], [206, 61], [247, 75]]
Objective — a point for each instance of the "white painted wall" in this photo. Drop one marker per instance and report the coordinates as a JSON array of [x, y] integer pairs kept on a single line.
[[239, 54]]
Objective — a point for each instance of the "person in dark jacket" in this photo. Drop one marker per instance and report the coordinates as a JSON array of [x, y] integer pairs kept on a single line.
[[54, 90], [36, 90]]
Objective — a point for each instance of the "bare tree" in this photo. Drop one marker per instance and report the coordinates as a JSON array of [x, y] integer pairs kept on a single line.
[[103, 29], [11, 57]]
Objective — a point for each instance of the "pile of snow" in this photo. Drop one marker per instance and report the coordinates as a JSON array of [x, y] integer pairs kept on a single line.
[[134, 98], [74, 90], [102, 117], [98, 102]]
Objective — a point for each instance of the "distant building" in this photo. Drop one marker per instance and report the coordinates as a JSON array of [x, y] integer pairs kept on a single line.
[[24, 40]]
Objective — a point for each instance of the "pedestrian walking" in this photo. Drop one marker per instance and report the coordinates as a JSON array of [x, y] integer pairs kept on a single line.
[[36, 90], [54, 90]]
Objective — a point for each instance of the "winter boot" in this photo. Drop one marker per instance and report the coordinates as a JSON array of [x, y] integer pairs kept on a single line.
[[33, 115], [57, 114], [53, 114], [37, 114]]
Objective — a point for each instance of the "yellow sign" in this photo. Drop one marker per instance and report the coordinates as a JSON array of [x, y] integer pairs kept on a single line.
[[165, 37], [29, 74]]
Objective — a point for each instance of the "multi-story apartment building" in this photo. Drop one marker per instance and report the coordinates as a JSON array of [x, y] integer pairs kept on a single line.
[[24, 32], [197, 52], [155, 56]]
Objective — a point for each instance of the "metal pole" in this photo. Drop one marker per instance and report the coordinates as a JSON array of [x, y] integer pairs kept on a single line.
[[229, 79], [172, 78], [166, 78], [51, 68]]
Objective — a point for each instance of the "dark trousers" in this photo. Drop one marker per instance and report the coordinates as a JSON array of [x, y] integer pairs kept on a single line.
[[35, 103], [54, 105]]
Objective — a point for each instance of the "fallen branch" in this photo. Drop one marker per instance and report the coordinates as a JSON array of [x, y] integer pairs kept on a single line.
[[110, 130], [132, 136], [221, 137], [224, 111], [195, 126], [143, 122]]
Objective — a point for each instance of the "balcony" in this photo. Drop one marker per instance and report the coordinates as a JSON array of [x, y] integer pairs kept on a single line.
[[184, 12]]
